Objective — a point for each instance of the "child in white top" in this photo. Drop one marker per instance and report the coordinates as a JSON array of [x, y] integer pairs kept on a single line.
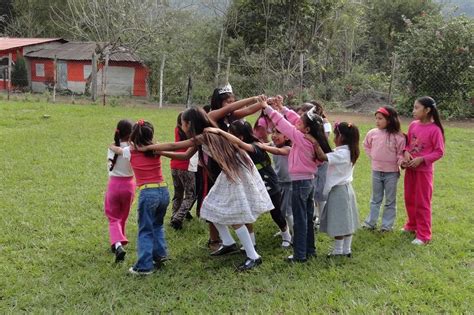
[[340, 217], [120, 191]]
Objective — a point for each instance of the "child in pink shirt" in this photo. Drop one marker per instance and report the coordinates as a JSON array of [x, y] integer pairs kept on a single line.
[[302, 166], [384, 145], [425, 145]]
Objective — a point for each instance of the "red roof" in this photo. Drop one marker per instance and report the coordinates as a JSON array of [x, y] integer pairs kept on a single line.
[[10, 43]]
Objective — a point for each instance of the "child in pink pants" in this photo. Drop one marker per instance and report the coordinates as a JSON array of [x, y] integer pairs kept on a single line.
[[120, 191], [425, 145]]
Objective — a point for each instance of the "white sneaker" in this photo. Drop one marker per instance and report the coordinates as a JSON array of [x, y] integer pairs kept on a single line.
[[136, 272], [418, 242]]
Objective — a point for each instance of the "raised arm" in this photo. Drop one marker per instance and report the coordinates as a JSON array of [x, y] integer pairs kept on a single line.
[[220, 113], [171, 146], [231, 138], [274, 150], [320, 155], [249, 110]]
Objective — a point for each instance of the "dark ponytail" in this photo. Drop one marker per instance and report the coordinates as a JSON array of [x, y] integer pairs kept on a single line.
[[122, 132], [181, 134], [350, 136], [429, 102], [316, 129], [142, 135]]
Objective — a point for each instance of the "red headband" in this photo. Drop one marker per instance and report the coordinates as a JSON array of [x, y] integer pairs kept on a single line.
[[383, 111]]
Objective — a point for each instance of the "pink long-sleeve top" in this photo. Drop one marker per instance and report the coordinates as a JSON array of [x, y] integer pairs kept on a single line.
[[426, 141], [384, 149], [302, 163]]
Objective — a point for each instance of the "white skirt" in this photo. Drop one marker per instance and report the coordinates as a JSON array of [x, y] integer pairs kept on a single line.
[[236, 202]]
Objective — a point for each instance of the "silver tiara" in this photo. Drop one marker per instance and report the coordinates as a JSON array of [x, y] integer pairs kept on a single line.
[[225, 89], [311, 114]]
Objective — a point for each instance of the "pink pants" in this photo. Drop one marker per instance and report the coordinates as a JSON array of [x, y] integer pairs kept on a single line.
[[118, 200], [418, 193]]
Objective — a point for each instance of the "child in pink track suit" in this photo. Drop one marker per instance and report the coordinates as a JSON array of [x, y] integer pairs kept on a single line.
[[120, 191], [425, 145]]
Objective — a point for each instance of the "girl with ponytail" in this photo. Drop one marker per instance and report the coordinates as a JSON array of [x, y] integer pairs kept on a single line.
[[425, 145], [120, 191]]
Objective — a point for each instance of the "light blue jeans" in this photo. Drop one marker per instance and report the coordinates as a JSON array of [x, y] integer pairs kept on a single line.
[[152, 205], [383, 183]]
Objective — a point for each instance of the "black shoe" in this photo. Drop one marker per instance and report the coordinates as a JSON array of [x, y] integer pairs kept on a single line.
[[223, 250], [112, 248], [249, 264], [331, 255], [176, 225], [291, 259], [120, 254], [189, 216]]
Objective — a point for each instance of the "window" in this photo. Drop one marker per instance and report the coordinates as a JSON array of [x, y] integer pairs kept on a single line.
[[87, 71], [4, 68], [39, 69]]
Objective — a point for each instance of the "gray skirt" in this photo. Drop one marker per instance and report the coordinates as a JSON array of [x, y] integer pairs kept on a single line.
[[320, 181], [286, 192], [340, 215]]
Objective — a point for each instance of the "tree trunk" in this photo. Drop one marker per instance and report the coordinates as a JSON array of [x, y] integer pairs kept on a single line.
[[162, 68]]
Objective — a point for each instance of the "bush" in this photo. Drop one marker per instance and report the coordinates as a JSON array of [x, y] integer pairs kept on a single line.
[[436, 58], [19, 73]]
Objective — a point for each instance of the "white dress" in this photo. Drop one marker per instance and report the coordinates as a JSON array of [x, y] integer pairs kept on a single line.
[[236, 202]]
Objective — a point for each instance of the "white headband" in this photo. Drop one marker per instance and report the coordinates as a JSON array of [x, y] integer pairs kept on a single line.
[[225, 89]]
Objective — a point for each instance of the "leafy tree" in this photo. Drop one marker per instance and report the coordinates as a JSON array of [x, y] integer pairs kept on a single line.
[[436, 59], [19, 73]]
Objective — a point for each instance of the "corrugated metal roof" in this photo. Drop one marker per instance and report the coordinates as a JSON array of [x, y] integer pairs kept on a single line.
[[11, 42], [80, 51]]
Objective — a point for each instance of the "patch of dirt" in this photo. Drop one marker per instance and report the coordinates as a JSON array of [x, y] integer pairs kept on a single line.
[[366, 101]]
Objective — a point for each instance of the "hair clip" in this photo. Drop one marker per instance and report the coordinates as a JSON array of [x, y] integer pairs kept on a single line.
[[434, 104], [140, 122], [383, 111], [225, 89], [311, 114]]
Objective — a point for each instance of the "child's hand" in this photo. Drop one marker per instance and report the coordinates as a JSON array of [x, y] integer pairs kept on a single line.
[[311, 139], [407, 156], [212, 130], [415, 162]]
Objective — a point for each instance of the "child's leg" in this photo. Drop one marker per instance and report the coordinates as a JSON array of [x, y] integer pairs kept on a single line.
[[347, 245], [113, 211], [310, 247], [178, 192], [244, 237], [338, 246], [300, 196], [410, 201], [159, 245], [390, 210], [376, 199], [127, 195], [227, 239], [279, 219], [424, 194], [187, 180]]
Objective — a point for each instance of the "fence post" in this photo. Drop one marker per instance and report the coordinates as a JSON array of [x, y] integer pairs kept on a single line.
[[9, 75], [162, 68], [55, 77], [301, 75], [104, 78], [189, 95], [394, 64], [94, 77]]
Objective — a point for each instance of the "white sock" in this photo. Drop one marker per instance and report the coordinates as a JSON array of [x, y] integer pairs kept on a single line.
[[337, 250], [289, 222], [347, 245], [117, 245], [244, 237], [224, 233], [285, 235], [252, 237]]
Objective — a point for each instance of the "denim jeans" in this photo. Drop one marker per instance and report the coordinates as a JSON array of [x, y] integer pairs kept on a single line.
[[303, 210], [383, 182], [152, 205]]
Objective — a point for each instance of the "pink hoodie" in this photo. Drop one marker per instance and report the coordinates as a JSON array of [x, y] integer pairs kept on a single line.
[[302, 163], [425, 140], [384, 149]]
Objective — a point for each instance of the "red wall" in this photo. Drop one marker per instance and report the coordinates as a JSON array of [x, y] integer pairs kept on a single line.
[[75, 70], [48, 70], [4, 53]]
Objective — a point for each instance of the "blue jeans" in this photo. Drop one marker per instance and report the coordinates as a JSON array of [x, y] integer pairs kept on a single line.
[[152, 205], [383, 182], [303, 210]]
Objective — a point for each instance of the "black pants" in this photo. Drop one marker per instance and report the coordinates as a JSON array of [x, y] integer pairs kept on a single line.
[[277, 216]]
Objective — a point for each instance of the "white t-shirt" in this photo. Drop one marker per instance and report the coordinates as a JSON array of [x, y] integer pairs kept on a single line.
[[327, 127], [193, 163], [339, 169], [122, 167]]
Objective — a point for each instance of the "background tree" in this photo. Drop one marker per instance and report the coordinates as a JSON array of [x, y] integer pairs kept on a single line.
[[19, 73]]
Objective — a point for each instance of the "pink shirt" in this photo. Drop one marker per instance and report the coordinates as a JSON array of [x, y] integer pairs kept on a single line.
[[384, 149], [425, 140], [147, 170], [264, 128], [302, 163]]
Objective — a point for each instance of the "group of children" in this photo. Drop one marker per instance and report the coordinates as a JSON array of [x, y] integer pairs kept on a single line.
[[222, 162]]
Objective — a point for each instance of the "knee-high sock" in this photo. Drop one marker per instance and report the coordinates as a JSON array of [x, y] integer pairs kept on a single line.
[[225, 235], [246, 241], [347, 245]]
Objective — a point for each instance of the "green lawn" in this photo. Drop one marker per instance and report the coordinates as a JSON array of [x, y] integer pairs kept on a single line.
[[54, 251]]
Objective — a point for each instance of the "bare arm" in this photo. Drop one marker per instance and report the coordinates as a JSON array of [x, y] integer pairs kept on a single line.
[[179, 155], [252, 109], [117, 150], [171, 146], [320, 155], [218, 114], [274, 150], [233, 139]]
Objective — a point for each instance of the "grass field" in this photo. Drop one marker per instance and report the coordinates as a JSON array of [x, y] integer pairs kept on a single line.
[[54, 251]]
